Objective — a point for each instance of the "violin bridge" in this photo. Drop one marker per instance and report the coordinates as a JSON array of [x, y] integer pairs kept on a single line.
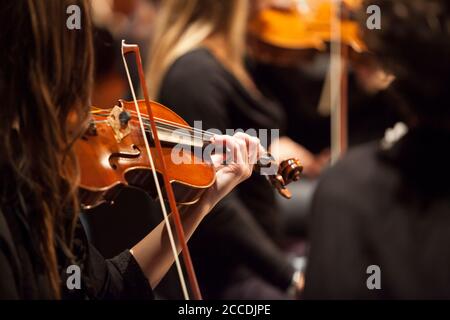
[[120, 128]]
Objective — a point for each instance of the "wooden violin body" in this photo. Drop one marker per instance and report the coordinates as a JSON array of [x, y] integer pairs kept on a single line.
[[107, 164], [112, 153]]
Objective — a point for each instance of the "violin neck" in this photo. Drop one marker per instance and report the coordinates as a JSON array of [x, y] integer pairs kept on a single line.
[[201, 141]]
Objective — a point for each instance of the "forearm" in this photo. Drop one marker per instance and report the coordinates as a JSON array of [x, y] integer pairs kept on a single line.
[[154, 253]]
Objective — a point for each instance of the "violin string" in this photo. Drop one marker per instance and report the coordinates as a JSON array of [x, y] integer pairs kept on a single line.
[[157, 185], [162, 121], [265, 157], [178, 127], [178, 133], [205, 136], [183, 131], [174, 125]]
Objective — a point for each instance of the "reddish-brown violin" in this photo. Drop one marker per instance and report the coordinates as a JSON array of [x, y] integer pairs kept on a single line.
[[112, 154]]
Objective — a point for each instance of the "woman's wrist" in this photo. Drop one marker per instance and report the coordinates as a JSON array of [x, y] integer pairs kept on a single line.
[[213, 196], [204, 205]]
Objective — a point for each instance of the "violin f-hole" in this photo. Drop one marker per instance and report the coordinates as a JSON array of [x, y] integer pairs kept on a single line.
[[116, 156]]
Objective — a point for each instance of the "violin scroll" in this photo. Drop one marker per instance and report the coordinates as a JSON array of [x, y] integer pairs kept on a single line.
[[287, 171]]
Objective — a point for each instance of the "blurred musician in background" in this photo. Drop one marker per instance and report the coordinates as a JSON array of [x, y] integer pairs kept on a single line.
[[388, 204], [115, 20], [197, 67], [131, 19], [289, 59]]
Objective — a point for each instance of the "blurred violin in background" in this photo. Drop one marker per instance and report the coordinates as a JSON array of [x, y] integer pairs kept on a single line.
[[305, 24], [290, 30]]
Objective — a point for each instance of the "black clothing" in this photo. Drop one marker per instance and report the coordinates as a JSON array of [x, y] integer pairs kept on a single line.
[[389, 208], [369, 115], [23, 275], [299, 93], [198, 87]]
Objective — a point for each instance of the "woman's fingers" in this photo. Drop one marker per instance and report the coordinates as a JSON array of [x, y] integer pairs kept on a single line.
[[254, 148], [225, 146], [217, 160], [243, 150]]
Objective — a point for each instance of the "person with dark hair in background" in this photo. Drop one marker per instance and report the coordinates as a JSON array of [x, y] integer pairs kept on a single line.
[[384, 210]]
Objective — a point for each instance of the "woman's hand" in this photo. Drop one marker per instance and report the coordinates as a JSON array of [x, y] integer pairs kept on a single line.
[[370, 75], [232, 166]]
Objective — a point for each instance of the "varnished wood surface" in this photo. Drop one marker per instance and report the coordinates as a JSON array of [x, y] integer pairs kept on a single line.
[[105, 163]]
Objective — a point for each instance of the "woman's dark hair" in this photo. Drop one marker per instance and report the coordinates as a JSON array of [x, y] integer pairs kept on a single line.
[[414, 44], [45, 81]]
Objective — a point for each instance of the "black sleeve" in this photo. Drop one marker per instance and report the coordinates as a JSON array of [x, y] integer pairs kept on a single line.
[[117, 278], [108, 279], [336, 263], [195, 86], [231, 228]]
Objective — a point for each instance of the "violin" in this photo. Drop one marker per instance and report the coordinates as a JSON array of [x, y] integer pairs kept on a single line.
[[133, 143], [111, 155], [298, 29], [292, 31]]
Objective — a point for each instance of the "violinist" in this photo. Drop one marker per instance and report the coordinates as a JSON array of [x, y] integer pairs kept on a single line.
[[289, 59], [387, 204], [197, 67], [45, 109]]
